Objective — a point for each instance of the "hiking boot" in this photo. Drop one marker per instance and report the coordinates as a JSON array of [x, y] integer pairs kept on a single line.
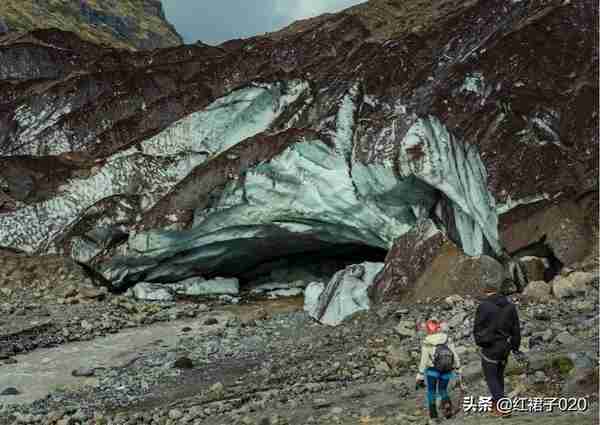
[[433, 413], [447, 408], [497, 413]]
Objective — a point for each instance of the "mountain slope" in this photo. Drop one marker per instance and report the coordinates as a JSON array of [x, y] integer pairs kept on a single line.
[[222, 158], [134, 24]]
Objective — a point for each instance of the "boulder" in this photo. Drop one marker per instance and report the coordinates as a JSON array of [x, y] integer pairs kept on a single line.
[[409, 257], [538, 291], [144, 291], [197, 286], [344, 295], [575, 284], [451, 272], [561, 227]]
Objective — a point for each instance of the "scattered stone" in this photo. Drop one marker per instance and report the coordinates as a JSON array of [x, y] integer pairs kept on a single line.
[[539, 377], [538, 291], [83, 372], [211, 321], [321, 403], [217, 390], [397, 357], [10, 391], [175, 414], [198, 286], [92, 293], [184, 363], [575, 284], [151, 292], [542, 314], [406, 328], [457, 320], [565, 338], [453, 299], [69, 291]]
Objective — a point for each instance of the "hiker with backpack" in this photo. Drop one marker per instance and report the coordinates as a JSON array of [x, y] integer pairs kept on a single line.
[[439, 363], [497, 332]]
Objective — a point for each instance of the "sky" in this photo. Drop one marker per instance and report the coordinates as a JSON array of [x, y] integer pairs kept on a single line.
[[215, 21]]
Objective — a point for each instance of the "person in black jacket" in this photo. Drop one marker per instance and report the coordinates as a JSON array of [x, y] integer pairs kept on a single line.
[[497, 332]]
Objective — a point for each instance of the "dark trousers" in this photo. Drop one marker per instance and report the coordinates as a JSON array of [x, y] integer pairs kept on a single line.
[[494, 376]]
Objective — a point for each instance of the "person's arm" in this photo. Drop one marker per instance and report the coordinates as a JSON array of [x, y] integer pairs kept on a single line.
[[515, 338], [478, 326], [457, 364]]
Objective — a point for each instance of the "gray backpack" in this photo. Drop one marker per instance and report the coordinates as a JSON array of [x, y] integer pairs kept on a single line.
[[443, 358]]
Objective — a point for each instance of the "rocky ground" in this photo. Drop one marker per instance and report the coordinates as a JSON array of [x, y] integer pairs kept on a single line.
[[269, 363]]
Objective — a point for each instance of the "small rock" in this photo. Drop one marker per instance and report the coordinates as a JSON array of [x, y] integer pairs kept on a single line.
[[397, 357], [10, 391], [92, 293], [86, 325], [573, 285], [69, 291], [406, 328], [542, 314], [457, 320], [538, 291], [539, 377], [337, 410], [320, 403], [453, 299], [211, 321], [547, 335], [184, 363], [217, 390], [175, 414], [565, 338], [152, 292], [382, 367], [83, 372]]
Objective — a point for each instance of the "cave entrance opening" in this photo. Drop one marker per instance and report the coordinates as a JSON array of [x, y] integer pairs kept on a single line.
[[297, 270], [541, 249]]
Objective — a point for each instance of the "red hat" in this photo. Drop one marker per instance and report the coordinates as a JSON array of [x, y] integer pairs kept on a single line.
[[432, 326]]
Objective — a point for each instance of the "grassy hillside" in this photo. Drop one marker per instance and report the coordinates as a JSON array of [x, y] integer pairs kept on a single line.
[[134, 24]]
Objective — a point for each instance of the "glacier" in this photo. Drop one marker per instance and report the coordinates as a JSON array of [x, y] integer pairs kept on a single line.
[[313, 195]]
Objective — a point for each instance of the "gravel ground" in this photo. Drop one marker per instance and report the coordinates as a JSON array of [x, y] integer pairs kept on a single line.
[[277, 366]]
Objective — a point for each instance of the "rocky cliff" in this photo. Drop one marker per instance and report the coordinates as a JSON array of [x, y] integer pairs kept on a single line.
[[433, 133], [131, 24]]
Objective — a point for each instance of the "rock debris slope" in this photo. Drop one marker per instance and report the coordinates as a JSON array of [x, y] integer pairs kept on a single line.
[[440, 137]]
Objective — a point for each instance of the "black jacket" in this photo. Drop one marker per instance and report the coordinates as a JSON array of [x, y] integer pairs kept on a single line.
[[496, 335]]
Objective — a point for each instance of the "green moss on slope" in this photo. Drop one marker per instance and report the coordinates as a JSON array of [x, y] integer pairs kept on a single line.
[[133, 24]]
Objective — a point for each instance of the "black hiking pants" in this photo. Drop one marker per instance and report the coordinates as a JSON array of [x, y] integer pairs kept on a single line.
[[494, 376]]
